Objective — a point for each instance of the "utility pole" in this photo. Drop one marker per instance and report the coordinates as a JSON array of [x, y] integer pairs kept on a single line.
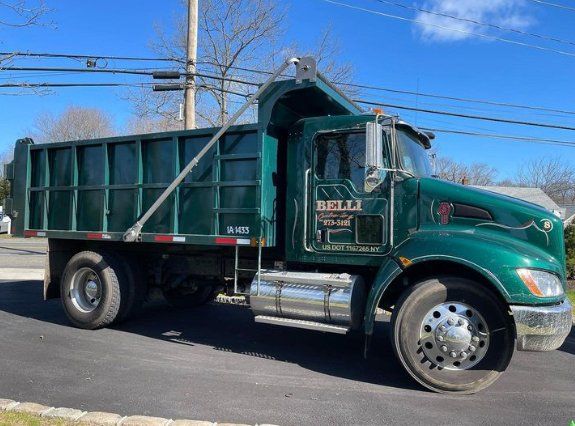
[[192, 49]]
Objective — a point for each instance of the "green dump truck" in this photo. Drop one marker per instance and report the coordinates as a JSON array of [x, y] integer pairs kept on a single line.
[[318, 213]]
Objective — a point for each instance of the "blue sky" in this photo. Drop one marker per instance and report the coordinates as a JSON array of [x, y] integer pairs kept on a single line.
[[386, 52]]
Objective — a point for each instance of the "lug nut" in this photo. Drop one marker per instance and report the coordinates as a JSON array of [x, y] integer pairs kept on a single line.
[[463, 354], [460, 322], [453, 354], [440, 338], [444, 348], [475, 339], [442, 327], [450, 321], [470, 328], [472, 348]]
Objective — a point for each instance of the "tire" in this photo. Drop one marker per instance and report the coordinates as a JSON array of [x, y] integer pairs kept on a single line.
[[92, 288], [452, 335], [189, 296]]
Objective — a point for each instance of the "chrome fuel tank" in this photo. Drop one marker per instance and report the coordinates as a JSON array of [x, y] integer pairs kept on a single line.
[[327, 298]]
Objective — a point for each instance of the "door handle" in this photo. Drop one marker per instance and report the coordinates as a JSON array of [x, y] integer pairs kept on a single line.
[[305, 209]]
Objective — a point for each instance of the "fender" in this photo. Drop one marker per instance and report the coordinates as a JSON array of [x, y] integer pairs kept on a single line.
[[493, 256]]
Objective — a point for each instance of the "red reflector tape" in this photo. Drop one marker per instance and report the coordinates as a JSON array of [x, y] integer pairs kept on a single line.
[[169, 239], [98, 236], [34, 234], [227, 241]]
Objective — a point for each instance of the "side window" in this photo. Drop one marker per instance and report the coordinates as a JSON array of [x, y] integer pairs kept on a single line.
[[341, 156]]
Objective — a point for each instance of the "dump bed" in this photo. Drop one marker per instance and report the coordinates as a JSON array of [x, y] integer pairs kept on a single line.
[[97, 189]]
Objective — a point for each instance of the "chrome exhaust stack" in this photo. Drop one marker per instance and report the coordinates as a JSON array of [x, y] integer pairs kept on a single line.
[[318, 301]]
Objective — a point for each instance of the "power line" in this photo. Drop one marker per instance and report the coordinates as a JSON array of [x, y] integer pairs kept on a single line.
[[78, 70], [459, 99], [469, 116], [561, 6], [505, 137], [473, 21], [80, 56], [264, 72], [36, 74], [443, 27], [362, 101], [41, 85], [114, 84], [423, 94], [125, 71]]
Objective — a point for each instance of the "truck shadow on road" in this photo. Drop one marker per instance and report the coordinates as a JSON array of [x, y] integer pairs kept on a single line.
[[230, 328]]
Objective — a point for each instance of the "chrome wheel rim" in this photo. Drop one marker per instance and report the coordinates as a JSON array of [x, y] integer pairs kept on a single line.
[[454, 336], [85, 290]]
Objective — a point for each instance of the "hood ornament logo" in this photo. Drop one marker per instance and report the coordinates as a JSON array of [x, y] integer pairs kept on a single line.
[[444, 211]]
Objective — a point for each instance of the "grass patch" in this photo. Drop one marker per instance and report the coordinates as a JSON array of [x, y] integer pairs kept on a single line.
[[571, 296], [10, 418]]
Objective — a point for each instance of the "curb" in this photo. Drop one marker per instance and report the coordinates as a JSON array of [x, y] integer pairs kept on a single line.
[[100, 418]]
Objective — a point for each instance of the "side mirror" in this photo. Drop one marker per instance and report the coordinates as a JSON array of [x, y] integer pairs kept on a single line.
[[374, 165]]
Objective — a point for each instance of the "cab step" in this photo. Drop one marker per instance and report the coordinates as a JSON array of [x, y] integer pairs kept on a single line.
[[308, 325]]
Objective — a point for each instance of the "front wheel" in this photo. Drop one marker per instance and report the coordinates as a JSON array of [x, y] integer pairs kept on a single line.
[[452, 335]]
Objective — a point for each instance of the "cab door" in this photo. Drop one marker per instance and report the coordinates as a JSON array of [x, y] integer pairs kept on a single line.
[[345, 218]]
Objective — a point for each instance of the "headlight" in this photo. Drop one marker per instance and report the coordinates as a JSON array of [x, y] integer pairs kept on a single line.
[[541, 283]]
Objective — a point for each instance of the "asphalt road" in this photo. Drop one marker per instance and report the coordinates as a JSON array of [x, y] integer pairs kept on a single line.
[[214, 363], [22, 253]]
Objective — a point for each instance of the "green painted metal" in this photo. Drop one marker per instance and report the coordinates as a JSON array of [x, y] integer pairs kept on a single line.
[[103, 186]]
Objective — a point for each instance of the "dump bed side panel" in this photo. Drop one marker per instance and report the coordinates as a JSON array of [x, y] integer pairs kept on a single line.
[[97, 189]]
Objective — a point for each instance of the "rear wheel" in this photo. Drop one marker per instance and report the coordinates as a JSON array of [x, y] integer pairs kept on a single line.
[[452, 335], [91, 289]]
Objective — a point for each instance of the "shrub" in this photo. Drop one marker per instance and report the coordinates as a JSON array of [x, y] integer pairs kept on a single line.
[[570, 250]]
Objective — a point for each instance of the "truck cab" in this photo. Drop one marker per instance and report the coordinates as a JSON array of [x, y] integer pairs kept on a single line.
[[365, 201]]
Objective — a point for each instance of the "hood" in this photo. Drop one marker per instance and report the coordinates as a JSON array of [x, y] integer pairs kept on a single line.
[[462, 208]]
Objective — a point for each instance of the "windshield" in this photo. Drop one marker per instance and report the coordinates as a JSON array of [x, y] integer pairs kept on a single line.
[[413, 155]]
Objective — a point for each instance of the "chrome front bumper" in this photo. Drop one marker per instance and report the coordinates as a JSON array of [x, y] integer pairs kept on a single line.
[[542, 328]]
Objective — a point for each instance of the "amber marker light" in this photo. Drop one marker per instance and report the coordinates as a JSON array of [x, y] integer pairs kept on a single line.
[[254, 242], [405, 261], [527, 278]]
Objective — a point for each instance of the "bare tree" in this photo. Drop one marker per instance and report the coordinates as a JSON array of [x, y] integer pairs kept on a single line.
[[328, 53], [551, 174], [234, 35], [19, 14], [141, 125], [75, 123], [22, 13], [472, 174], [155, 107]]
